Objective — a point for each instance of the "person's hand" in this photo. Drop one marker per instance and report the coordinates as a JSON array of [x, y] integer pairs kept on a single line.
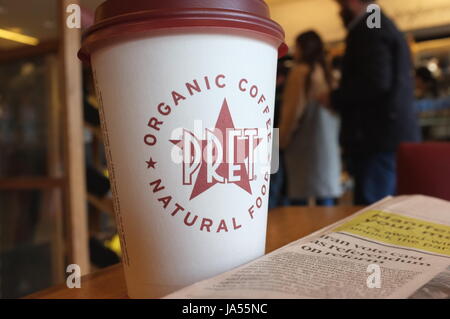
[[284, 140], [284, 143], [324, 99]]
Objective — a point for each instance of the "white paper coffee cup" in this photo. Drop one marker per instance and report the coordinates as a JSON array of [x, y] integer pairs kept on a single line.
[[187, 117]]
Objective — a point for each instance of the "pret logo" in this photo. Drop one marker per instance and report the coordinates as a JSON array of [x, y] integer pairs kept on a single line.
[[225, 156], [212, 177]]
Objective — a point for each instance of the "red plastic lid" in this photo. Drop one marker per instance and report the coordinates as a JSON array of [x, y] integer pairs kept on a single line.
[[116, 18]]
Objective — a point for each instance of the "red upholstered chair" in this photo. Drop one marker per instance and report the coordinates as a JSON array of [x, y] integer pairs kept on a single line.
[[424, 168]]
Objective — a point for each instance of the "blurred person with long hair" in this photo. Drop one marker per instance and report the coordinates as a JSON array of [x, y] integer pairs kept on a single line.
[[308, 129]]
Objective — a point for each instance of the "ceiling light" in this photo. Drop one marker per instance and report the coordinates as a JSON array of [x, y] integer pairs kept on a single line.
[[18, 37], [15, 30]]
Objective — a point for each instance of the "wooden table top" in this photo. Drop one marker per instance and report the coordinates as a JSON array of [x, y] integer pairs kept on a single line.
[[284, 226]]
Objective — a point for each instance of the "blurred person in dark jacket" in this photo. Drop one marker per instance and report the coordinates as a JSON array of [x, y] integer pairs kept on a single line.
[[375, 100]]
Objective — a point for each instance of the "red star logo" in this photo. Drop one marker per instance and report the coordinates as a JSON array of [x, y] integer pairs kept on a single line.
[[151, 163], [224, 123]]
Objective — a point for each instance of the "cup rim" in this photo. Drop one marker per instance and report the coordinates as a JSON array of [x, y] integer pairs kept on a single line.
[[121, 25]]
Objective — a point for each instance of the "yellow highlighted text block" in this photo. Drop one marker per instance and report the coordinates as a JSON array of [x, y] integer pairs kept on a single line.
[[400, 230]]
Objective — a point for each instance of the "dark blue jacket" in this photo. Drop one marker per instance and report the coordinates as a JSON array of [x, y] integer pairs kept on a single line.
[[375, 98]]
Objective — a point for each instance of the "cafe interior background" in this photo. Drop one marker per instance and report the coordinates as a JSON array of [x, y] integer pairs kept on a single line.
[[53, 176]]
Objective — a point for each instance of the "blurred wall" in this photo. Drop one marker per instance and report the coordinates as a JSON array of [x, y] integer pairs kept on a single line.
[[299, 15]]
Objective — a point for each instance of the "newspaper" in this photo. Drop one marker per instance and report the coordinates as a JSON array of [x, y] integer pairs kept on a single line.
[[396, 248]]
